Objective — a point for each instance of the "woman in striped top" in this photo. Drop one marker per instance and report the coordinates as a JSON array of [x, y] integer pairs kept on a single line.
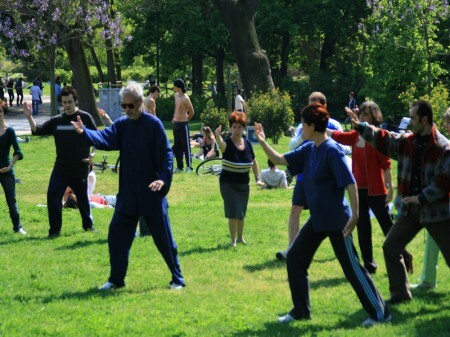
[[238, 158]]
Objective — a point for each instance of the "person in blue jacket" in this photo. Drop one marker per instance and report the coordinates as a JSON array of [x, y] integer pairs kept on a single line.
[[144, 180]]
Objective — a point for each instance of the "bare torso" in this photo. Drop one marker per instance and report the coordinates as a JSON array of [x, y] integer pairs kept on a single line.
[[183, 108]]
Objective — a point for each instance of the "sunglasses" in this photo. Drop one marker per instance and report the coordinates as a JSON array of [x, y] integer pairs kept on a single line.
[[125, 105]]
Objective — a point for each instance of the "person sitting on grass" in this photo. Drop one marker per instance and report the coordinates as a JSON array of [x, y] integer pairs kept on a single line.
[[208, 145], [272, 177]]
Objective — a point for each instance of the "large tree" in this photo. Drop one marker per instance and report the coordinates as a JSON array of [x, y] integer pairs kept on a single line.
[[46, 25], [252, 61]]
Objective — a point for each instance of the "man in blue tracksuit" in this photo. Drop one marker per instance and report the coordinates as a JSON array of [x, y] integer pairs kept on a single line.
[[144, 180]]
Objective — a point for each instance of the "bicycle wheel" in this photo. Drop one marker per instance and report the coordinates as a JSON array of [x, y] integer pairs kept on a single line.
[[211, 166]]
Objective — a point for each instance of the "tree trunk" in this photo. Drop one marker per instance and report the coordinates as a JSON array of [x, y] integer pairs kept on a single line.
[[82, 78], [253, 64], [110, 62], [197, 73], [101, 76], [328, 48], [220, 58], [285, 44], [118, 67], [51, 66]]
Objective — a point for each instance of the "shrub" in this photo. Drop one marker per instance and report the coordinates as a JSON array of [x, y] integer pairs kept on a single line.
[[213, 116], [439, 100], [273, 110], [165, 108]]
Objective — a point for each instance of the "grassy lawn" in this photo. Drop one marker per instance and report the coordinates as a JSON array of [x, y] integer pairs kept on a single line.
[[49, 287]]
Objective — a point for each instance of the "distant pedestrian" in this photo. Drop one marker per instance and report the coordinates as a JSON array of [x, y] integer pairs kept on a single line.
[[239, 102], [19, 91], [150, 100], [35, 93], [213, 89], [10, 87], [2, 89]]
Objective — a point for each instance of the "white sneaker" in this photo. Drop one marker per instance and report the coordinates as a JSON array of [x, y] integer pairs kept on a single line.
[[370, 322], [286, 319], [422, 286], [108, 286], [176, 286], [21, 231]]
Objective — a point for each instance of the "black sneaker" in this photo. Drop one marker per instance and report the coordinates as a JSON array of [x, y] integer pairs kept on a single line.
[[91, 229], [281, 255]]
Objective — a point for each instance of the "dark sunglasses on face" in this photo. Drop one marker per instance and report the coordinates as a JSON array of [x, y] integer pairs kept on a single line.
[[125, 105]]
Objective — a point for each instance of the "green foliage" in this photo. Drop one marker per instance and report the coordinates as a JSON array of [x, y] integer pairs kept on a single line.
[[136, 73], [439, 100], [273, 110], [165, 106], [199, 103], [213, 116]]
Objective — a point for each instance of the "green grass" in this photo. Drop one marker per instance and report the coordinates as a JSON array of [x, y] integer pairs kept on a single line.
[[49, 287]]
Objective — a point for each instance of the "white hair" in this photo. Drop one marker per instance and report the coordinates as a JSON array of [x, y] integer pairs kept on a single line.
[[132, 88]]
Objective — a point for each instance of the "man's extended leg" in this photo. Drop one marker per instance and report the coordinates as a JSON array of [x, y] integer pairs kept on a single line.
[[56, 188]]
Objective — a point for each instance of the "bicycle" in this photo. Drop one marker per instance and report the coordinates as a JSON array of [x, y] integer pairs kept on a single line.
[[212, 166], [103, 165]]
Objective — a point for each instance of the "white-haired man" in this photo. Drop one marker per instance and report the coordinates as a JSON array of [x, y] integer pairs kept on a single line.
[[144, 181]]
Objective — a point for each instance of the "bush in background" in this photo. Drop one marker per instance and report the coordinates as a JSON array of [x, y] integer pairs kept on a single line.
[[273, 110], [214, 115]]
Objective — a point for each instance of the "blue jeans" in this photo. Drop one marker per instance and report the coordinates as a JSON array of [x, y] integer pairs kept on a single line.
[[8, 182], [35, 106]]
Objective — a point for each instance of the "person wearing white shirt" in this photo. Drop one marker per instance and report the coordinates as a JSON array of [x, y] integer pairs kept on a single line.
[[239, 101], [272, 177]]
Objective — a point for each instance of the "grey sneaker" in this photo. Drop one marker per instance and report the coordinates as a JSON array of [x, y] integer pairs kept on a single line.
[[21, 231], [178, 171], [286, 319], [188, 170], [108, 286], [370, 322], [422, 286]]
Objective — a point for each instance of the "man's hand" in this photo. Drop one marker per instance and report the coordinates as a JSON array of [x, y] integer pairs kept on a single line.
[[156, 185], [5, 169], [78, 125], [27, 109], [353, 116], [259, 132], [411, 200], [350, 226], [218, 131], [390, 194]]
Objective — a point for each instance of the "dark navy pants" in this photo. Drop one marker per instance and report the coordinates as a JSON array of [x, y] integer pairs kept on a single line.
[[121, 234], [59, 181], [8, 182], [181, 144], [299, 259]]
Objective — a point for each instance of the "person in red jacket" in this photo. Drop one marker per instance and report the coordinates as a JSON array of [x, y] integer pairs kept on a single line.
[[372, 172]]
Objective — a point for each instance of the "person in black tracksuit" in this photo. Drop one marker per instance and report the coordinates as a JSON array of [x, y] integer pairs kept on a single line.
[[72, 159]]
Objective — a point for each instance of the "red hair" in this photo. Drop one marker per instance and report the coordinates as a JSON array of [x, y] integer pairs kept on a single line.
[[237, 117], [317, 114]]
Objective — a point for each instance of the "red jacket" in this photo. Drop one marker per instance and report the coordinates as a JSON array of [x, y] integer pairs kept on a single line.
[[374, 161]]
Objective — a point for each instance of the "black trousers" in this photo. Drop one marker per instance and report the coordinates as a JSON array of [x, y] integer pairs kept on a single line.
[[376, 203], [121, 234], [59, 181], [181, 144], [299, 259]]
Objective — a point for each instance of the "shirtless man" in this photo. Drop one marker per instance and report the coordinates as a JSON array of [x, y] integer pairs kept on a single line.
[[184, 111], [150, 101]]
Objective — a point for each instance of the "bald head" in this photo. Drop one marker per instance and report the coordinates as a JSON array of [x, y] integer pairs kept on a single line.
[[317, 97]]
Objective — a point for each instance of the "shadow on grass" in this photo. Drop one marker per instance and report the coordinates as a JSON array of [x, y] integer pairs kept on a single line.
[[81, 295], [201, 250], [82, 244], [270, 264]]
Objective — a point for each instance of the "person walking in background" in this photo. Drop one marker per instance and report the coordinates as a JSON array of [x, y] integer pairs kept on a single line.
[[35, 98], [326, 177], [239, 102], [72, 159], [372, 172], [184, 111], [10, 87], [19, 91], [150, 100], [423, 189], [428, 278], [352, 102], [213, 89], [58, 90], [237, 160], [144, 181], [8, 139]]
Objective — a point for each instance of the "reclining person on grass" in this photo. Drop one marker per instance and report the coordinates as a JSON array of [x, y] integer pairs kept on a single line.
[[272, 177]]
